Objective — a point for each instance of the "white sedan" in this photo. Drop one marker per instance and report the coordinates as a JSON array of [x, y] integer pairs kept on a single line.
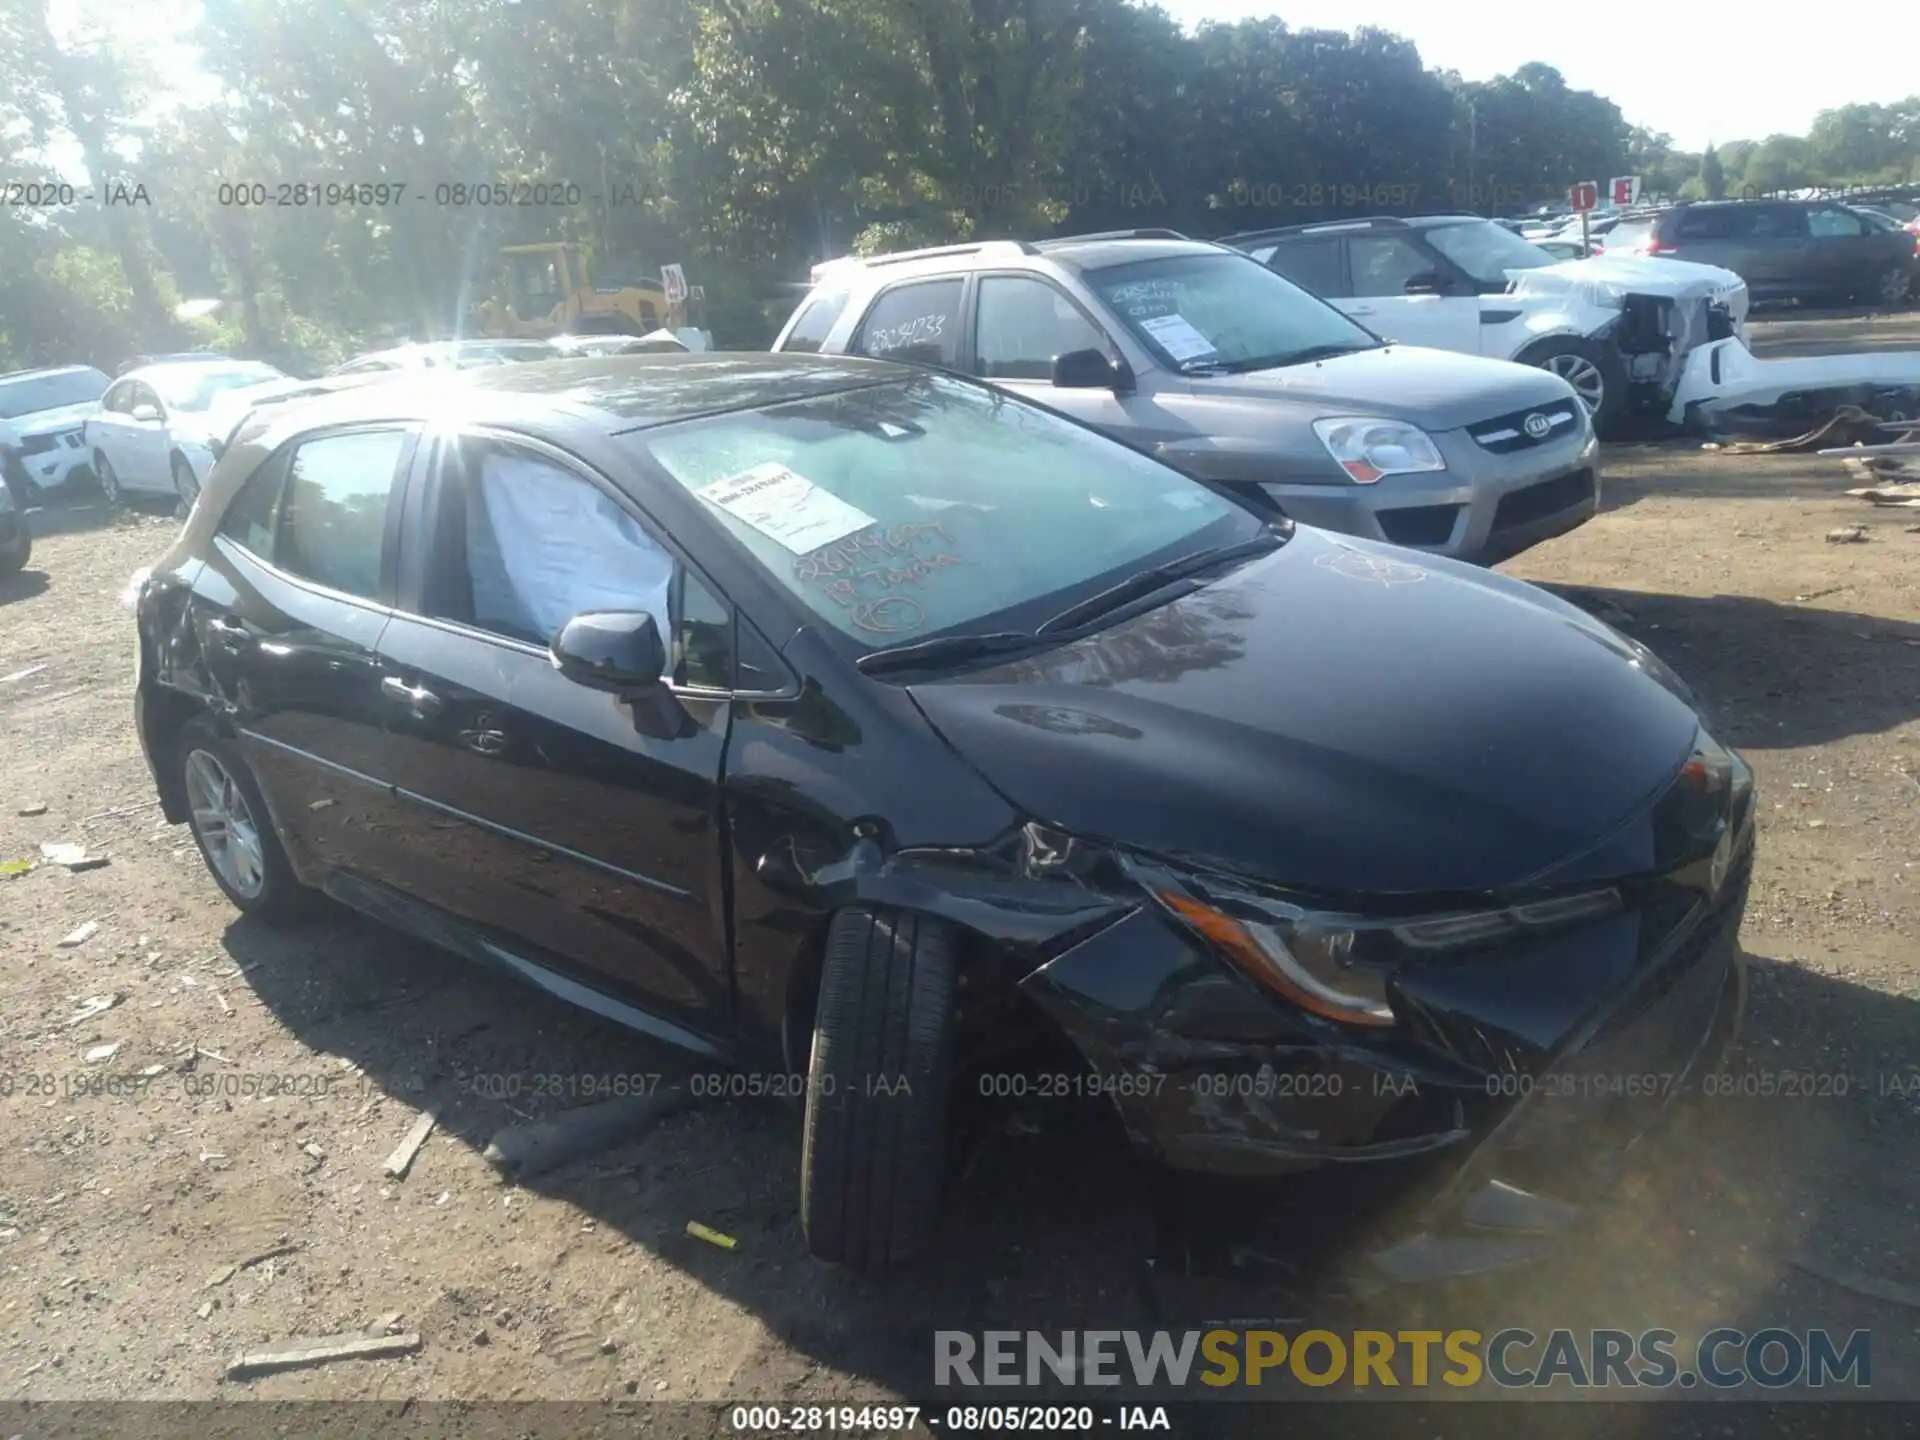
[[153, 433]]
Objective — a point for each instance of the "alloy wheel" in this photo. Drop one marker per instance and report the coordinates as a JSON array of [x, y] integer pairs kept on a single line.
[[109, 482], [1583, 375], [224, 823], [1895, 284]]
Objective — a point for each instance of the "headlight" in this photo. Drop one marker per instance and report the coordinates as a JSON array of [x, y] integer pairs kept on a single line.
[[1368, 448], [1337, 965]]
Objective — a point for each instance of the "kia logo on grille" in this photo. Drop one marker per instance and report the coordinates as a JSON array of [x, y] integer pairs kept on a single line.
[[1537, 425]]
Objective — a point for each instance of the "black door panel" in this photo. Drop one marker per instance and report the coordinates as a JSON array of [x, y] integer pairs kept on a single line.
[[583, 825]]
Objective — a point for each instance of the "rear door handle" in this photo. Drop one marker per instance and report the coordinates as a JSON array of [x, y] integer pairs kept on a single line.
[[415, 697]]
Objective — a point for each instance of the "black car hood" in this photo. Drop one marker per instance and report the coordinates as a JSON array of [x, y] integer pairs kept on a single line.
[[1339, 716]]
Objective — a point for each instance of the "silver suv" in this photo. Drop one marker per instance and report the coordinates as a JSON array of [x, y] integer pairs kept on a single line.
[[1202, 356]]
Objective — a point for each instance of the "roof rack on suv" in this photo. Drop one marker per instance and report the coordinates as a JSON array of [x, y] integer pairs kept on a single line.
[[900, 257], [1148, 234], [1365, 222]]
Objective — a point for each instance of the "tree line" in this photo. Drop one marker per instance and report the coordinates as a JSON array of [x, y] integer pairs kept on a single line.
[[359, 162]]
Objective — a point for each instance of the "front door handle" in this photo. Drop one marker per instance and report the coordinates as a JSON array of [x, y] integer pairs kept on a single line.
[[416, 698], [229, 635]]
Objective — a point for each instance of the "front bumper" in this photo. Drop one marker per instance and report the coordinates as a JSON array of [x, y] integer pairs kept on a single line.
[[1501, 1106], [1483, 508], [50, 469]]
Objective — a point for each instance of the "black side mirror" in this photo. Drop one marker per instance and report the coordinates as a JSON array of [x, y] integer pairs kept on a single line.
[[615, 650], [1087, 370], [1427, 282]]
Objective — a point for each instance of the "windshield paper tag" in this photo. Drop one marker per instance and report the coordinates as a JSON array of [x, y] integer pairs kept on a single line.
[[1177, 337], [786, 508]]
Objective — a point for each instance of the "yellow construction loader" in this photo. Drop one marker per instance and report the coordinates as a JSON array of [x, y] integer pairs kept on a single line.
[[547, 293]]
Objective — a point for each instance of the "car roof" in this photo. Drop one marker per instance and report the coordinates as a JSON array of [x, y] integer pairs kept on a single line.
[[40, 374], [164, 367], [1085, 252], [601, 394], [1357, 224]]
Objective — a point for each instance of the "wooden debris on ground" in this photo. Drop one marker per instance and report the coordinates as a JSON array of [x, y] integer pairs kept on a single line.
[[401, 1160], [323, 1350]]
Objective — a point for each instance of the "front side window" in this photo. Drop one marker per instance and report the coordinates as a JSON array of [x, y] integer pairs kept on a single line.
[[1773, 222], [1025, 325], [333, 521], [1219, 313], [1484, 250], [531, 544], [900, 511], [1835, 224], [918, 323], [1383, 264]]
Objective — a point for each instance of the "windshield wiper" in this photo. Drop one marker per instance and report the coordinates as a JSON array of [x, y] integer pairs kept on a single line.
[[943, 650], [1136, 587], [1321, 352]]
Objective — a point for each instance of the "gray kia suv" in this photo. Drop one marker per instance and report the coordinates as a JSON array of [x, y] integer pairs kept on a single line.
[[1204, 357]]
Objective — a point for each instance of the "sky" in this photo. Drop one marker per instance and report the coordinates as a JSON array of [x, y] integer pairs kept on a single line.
[[1702, 73], [1699, 73]]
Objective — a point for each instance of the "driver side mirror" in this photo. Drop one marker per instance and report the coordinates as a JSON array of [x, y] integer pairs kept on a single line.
[[1089, 370], [619, 651], [1427, 282], [144, 414]]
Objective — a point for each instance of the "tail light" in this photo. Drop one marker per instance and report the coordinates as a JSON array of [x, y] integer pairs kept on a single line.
[[1654, 247]]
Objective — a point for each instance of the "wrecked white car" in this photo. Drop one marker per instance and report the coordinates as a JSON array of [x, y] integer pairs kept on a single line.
[[1725, 391], [1617, 329]]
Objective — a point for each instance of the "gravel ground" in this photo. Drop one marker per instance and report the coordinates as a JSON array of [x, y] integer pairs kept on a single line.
[[153, 1226]]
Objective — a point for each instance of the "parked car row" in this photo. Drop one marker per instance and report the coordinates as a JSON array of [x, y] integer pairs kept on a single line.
[[869, 723], [1784, 249]]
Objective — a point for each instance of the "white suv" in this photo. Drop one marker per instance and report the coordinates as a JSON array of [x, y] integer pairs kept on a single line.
[[43, 418], [1617, 329]]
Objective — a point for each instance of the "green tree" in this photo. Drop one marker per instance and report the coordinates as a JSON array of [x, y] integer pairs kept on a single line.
[[1713, 179]]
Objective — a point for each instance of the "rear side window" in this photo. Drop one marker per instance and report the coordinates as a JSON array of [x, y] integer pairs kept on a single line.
[[919, 323], [1312, 265], [1706, 225], [1773, 223], [815, 322], [333, 519]]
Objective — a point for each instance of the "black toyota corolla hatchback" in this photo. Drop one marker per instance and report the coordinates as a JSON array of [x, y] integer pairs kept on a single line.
[[856, 723]]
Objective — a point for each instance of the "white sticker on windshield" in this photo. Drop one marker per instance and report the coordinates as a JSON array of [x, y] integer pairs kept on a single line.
[[787, 508], [1177, 337]]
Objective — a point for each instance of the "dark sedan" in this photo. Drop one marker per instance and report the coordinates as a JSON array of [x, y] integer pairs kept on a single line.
[[868, 726]]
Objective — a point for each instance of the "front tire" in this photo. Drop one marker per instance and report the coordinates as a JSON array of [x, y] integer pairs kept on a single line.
[[1891, 290], [1596, 374], [873, 1163], [17, 551], [109, 482], [231, 825]]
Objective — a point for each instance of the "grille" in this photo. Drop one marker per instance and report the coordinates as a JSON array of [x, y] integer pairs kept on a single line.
[[1419, 524], [1505, 434], [40, 444], [1549, 497]]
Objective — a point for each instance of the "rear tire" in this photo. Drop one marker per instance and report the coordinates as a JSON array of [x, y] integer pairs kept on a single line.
[[231, 825], [873, 1163], [185, 484], [1597, 374]]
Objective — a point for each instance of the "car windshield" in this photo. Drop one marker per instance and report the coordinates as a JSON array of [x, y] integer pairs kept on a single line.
[[31, 394], [903, 511], [1215, 313], [1485, 251], [193, 388]]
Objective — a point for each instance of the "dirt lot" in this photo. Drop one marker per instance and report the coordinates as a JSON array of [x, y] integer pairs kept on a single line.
[[122, 1216]]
